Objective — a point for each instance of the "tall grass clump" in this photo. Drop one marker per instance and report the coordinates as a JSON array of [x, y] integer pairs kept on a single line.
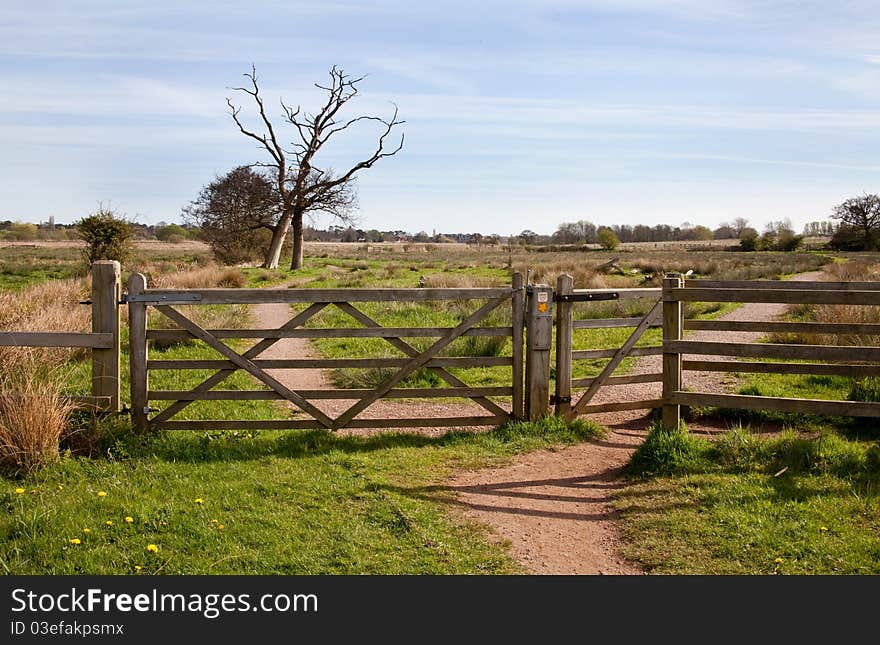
[[33, 417], [668, 451]]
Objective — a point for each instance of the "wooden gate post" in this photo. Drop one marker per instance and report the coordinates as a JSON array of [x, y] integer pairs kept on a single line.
[[672, 330], [539, 338], [137, 356], [563, 348], [105, 320], [518, 322]]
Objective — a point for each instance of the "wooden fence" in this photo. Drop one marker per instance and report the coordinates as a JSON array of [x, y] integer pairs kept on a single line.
[[851, 360], [168, 302], [103, 341]]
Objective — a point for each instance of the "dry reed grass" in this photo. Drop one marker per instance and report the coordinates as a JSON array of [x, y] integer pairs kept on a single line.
[[33, 417]]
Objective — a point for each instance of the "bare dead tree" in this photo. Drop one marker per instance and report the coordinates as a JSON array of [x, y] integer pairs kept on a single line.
[[302, 185]]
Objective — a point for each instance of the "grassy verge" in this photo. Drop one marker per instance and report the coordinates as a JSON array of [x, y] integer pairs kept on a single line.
[[264, 503], [793, 504]]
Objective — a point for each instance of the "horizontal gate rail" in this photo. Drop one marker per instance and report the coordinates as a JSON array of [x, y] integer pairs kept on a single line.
[[328, 363], [264, 296], [323, 332], [359, 393]]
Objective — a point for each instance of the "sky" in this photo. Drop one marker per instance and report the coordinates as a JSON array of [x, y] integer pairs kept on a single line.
[[518, 115]]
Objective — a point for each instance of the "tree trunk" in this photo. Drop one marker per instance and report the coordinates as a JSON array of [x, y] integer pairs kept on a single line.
[[273, 254], [296, 262]]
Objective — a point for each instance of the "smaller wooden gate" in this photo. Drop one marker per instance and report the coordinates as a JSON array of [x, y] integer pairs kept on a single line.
[[169, 302], [569, 406]]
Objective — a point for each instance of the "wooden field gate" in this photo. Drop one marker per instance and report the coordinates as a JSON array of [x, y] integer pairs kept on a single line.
[[170, 302], [853, 358]]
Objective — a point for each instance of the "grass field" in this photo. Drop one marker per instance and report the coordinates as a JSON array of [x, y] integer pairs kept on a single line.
[[312, 502]]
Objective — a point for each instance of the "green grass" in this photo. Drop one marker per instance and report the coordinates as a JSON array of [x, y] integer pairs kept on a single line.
[[289, 503], [793, 504]]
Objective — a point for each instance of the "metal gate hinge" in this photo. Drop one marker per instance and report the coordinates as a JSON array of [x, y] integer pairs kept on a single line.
[[556, 400]]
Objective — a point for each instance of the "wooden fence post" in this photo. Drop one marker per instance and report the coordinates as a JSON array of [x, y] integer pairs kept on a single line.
[[105, 319], [518, 322], [564, 286], [539, 339], [137, 357], [672, 330]]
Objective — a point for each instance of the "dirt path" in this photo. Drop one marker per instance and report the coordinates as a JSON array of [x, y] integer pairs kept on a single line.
[[553, 507]]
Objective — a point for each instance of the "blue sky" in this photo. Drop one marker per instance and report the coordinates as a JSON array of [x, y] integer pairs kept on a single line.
[[519, 115]]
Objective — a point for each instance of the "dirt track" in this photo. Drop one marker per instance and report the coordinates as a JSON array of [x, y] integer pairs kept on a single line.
[[554, 508]]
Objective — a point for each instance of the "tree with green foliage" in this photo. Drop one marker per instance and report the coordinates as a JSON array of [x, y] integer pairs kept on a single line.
[[607, 238], [107, 236], [172, 233], [859, 228]]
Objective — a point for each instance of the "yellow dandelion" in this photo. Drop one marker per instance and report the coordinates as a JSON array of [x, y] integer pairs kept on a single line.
[[87, 530], [75, 541], [129, 519], [102, 493], [199, 500], [60, 487], [33, 491], [778, 561], [109, 522], [152, 548], [823, 528], [221, 526], [213, 521], [19, 491], [137, 567]]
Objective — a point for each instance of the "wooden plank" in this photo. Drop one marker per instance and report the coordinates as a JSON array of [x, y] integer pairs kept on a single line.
[[137, 355], [564, 286], [819, 369], [56, 339], [338, 332], [775, 350], [517, 331], [622, 406], [586, 354], [539, 340], [867, 329], [330, 363], [610, 323], [257, 296], [618, 357], [412, 352], [106, 292], [791, 296], [624, 294], [227, 368], [673, 316], [245, 364], [415, 363], [810, 406], [783, 284], [310, 424], [621, 380], [270, 395]]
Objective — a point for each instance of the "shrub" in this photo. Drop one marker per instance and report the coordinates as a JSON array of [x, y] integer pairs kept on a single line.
[[608, 239], [172, 233], [107, 236]]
